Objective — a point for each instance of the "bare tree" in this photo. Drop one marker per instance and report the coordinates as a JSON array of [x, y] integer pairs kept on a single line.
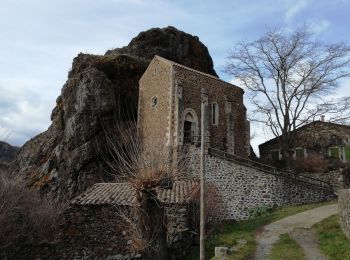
[[146, 169], [337, 109], [288, 75]]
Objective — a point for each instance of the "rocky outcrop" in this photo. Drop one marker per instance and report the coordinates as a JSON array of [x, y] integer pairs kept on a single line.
[[7, 154], [65, 159], [171, 44]]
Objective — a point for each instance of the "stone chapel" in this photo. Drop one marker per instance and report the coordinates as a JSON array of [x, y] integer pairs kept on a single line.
[[169, 112]]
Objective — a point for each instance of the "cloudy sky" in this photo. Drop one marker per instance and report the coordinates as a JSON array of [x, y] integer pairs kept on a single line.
[[40, 38]]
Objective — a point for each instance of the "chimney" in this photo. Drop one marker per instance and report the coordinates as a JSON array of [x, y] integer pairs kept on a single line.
[[322, 118]]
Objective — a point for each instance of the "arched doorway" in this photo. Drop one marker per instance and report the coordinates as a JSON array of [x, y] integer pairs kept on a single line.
[[190, 132]]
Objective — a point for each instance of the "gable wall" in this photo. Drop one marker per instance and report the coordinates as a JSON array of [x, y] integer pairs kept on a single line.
[[154, 123], [219, 92]]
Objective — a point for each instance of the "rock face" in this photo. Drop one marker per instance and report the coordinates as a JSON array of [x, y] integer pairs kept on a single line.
[[65, 159], [7, 154], [171, 44]]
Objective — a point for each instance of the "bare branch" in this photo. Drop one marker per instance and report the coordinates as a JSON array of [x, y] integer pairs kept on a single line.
[[289, 76]]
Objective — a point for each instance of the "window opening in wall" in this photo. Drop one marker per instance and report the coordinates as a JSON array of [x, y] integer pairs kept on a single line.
[[334, 152], [275, 155], [154, 102], [347, 153], [188, 132], [299, 153], [334, 140], [215, 113], [190, 127]]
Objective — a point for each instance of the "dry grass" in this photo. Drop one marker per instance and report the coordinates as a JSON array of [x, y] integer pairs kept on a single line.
[[25, 216], [145, 168]]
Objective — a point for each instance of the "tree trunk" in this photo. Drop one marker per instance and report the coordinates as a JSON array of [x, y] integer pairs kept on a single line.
[[152, 226]]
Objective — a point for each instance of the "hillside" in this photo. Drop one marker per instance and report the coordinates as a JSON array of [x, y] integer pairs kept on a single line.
[[7, 154]]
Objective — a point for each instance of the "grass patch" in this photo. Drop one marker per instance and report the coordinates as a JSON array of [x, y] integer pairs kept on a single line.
[[229, 233], [286, 248], [332, 241]]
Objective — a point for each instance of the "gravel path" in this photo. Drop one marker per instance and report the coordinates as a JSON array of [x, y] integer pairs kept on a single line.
[[301, 221]]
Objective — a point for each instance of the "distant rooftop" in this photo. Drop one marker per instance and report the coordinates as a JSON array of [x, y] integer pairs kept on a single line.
[[124, 194]]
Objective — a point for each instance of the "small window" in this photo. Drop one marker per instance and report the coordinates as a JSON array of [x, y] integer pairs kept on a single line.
[[334, 140], [334, 152], [215, 113], [275, 155], [347, 153], [299, 153], [154, 102]]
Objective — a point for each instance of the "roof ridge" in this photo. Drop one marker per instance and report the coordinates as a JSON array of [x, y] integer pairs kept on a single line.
[[193, 70]]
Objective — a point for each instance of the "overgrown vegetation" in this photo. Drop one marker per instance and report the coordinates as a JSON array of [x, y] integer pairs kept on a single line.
[[146, 168], [332, 240], [231, 233], [286, 248], [313, 163], [25, 216], [262, 211]]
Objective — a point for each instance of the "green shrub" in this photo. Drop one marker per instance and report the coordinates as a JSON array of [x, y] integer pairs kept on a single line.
[[262, 211]]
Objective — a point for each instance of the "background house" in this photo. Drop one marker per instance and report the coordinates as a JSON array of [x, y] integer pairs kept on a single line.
[[316, 138]]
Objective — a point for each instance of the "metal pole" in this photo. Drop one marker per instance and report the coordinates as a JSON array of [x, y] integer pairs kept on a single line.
[[202, 194]]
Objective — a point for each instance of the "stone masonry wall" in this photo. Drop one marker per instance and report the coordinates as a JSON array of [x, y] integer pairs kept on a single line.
[[154, 106], [344, 211], [334, 178], [231, 108], [244, 188], [181, 230], [97, 232]]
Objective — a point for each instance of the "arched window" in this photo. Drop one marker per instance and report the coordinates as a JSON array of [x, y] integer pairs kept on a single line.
[[215, 113], [190, 126]]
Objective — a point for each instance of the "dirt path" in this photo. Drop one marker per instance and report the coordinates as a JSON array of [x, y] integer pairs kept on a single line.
[[306, 239], [300, 221]]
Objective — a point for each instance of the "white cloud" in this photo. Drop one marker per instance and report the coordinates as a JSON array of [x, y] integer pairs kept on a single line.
[[294, 8], [319, 26]]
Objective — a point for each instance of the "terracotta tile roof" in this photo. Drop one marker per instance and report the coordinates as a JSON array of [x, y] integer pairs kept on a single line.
[[124, 194], [196, 71]]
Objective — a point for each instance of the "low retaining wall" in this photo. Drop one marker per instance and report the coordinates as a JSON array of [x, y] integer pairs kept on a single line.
[[244, 188], [344, 211], [334, 178]]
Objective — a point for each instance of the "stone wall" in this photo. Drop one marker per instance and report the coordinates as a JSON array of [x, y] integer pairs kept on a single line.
[[244, 188], [97, 232], [231, 132], [344, 211], [181, 229], [334, 178], [155, 106]]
